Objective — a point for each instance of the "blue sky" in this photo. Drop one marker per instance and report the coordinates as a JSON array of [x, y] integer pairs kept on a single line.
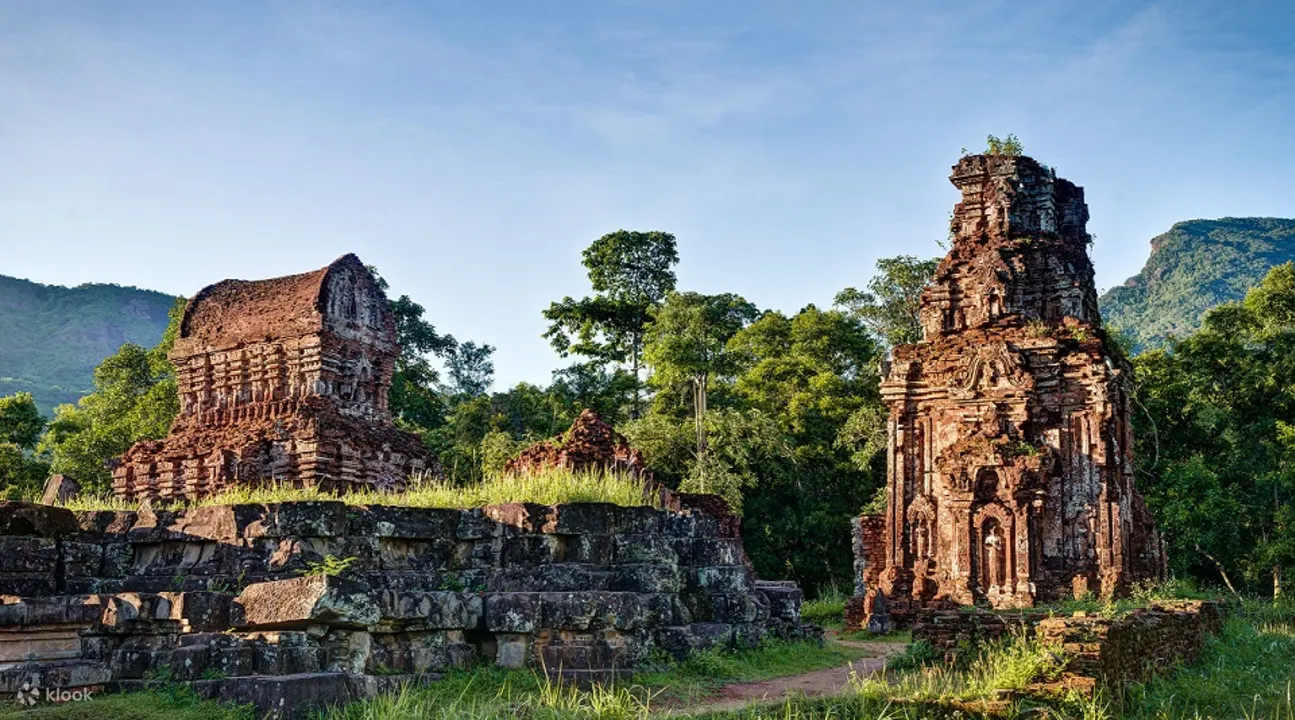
[[471, 149]]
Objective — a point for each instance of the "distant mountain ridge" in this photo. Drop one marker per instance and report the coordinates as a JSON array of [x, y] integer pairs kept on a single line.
[[1193, 267], [52, 337]]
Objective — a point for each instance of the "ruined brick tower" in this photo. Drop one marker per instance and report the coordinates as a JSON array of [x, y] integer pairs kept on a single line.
[[1010, 468], [285, 381]]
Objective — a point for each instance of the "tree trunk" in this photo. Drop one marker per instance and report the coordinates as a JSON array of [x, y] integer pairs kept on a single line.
[[699, 418], [1222, 572], [1277, 581], [634, 367]]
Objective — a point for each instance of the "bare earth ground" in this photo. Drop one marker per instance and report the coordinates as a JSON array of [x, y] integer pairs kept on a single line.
[[813, 684]]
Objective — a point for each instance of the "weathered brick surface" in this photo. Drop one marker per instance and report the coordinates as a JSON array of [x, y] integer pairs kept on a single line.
[[587, 590], [1010, 468], [281, 380]]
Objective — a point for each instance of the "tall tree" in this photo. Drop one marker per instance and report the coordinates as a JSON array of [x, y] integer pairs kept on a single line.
[[413, 398], [21, 470], [890, 305], [1215, 443], [590, 385], [686, 345], [814, 374], [134, 399], [470, 368], [20, 420], [631, 272]]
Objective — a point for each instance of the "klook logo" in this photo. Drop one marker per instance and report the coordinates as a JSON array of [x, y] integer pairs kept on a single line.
[[28, 694]]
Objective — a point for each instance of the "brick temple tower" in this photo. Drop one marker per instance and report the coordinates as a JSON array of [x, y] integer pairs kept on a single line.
[[1010, 467], [284, 381]]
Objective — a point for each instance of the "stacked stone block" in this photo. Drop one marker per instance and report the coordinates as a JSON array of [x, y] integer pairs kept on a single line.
[[240, 600]]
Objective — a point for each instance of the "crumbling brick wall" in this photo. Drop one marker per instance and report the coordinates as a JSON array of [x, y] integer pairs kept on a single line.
[[241, 593], [1100, 651], [1105, 652]]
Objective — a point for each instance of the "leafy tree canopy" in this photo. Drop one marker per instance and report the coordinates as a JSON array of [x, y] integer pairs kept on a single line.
[[890, 305], [1215, 445], [134, 399], [630, 272], [20, 421], [21, 471]]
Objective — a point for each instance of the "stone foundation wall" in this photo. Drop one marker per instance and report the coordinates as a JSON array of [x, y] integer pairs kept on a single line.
[[258, 603], [1100, 651]]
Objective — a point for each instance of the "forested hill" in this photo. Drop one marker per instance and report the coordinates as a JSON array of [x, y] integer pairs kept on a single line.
[[52, 337], [1196, 265]]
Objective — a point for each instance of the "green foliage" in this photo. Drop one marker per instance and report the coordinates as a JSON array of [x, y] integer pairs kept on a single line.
[[1248, 671], [497, 448], [631, 273], [828, 609], [413, 397], [686, 347], [742, 442], [20, 421], [1218, 454], [22, 471], [789, 431], [1193, 267], [470, 369], [917, 655], [54, 336], [135, 398], [1010, 145], [815, 375], [330, 566], [889, 307], [495, 693]]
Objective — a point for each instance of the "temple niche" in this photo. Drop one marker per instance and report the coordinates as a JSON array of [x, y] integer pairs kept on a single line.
[[280, 381], [1010, 466]]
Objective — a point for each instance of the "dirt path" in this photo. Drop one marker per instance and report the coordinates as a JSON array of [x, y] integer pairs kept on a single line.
[[813, 684]]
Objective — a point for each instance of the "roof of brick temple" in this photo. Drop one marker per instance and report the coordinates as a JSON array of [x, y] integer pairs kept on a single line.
[[237, 312]]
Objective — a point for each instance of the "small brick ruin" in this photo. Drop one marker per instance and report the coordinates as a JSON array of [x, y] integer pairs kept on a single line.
[[1100, 652], [590, 445], [1010, 467], [234, 600], [281, 381]]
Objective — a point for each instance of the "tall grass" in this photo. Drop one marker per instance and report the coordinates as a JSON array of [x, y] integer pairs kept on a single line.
[[489, 694], [1247, 671], [828, 609], [547, 487]]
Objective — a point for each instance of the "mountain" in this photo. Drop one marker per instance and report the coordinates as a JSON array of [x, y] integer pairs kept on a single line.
[[1196, 265], [52, 337]]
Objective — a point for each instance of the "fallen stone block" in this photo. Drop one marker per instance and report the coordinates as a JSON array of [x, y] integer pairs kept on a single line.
[[314, 599], [20, 518]]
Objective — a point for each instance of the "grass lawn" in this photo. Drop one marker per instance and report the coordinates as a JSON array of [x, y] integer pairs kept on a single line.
[[495, 693], [1247, 672]]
